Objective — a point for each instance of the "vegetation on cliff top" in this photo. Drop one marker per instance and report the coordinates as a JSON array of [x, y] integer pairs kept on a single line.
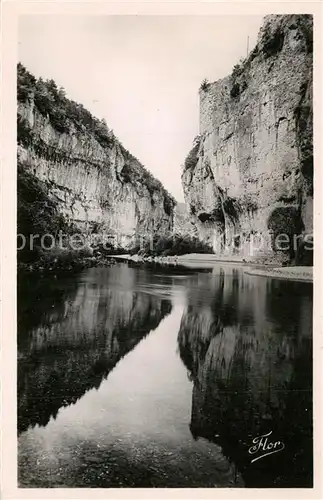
[[204, 85], [38, 215], [270, 43], [65, 115]]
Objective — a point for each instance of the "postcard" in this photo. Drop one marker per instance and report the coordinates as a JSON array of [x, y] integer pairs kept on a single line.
[[161, 337]]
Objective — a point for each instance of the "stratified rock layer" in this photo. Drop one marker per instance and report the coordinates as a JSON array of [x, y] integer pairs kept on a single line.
[[249, 176], [97, 187]]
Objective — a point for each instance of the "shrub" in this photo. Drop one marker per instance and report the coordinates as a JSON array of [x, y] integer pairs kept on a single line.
[[24, 131], [237, 70], [52, 103], [238, 78], [108, 249], [58, 258], [193, 157], [171, 244], [135, 249], [37, 213], [135, 173], [204, 85], [285, 220], [244, 85], [304, 253], [25, 84], [306, 27], [253, 54], [250, 205], [235, 90], [168, 205], [231, 208]]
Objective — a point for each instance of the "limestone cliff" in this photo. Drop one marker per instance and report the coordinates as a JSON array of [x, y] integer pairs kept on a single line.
[[250, 172], [97, 183]]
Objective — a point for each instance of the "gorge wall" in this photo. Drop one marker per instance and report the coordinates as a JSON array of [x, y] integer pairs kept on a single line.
[[250, 172], [95, 182]]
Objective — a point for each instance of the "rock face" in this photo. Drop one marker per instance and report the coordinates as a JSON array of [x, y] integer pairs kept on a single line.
[[249, 175], [98, 185]]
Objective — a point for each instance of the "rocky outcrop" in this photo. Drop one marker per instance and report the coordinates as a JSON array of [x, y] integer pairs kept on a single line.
[[97, 183], [249, 175]]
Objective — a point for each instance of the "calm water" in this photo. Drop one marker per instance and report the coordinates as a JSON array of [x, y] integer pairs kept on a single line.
[[162, 377]]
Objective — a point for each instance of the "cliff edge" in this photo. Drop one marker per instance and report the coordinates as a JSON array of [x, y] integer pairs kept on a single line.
[[96, 184]]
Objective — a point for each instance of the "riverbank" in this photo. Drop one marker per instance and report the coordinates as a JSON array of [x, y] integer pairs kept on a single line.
[[63, 266], [194, 261], [191, 259], [295, 273]]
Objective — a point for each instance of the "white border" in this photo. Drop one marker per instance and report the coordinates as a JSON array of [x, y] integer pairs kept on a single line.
[[10, 10]]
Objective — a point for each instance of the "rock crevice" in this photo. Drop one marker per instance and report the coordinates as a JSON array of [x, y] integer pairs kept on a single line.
[[93, 178]]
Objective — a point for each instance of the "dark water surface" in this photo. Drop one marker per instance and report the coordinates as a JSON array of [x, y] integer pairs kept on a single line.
[[162, 377]]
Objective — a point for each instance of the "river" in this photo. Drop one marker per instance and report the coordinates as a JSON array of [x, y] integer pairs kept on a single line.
[[151, 376]]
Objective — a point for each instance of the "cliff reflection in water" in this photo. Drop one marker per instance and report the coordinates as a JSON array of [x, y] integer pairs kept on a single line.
[[246, 342], [71, 334]]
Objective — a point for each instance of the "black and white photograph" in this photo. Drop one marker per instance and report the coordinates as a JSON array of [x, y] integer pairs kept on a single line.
[[165, 251]]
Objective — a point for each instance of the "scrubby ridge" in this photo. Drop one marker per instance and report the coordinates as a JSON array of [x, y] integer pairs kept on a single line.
[[64, 114]]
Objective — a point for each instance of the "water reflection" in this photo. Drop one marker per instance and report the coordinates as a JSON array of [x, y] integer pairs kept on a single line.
[[72, 334], [246, 343], [159, 377]]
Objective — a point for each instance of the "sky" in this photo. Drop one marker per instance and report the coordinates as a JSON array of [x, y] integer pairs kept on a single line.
[[140, 73]]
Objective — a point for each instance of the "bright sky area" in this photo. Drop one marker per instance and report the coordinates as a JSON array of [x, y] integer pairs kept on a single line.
[[140, 73]]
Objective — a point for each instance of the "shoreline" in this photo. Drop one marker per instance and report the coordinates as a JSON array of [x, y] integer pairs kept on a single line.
[[190, 261], [292, 273], [209, 261], [60, 267]]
